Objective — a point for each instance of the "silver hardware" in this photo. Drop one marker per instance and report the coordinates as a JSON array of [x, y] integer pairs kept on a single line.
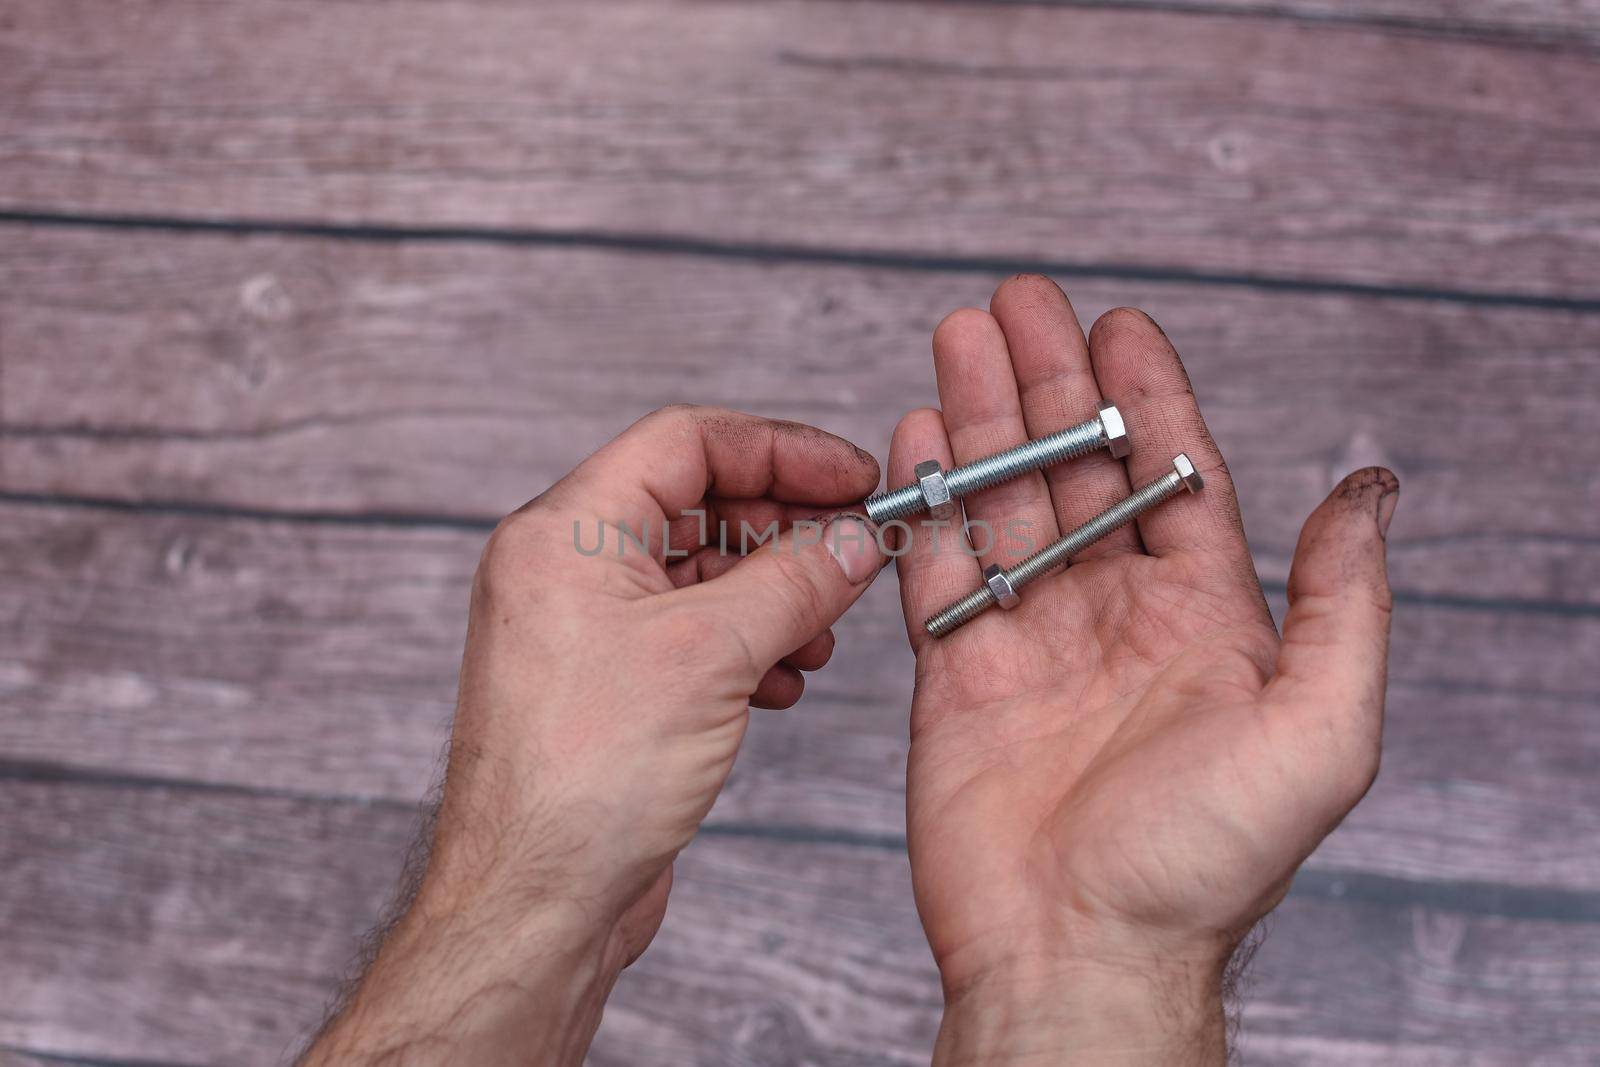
[[1106, 430], [1000, 586]]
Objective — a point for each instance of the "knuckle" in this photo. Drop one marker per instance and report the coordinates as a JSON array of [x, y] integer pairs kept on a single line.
[[511, 555], [671, 419], [1380, 604], [503, 548], [1359, 771], [671, 413], [797, 590], [821, 650], [1383, 599]]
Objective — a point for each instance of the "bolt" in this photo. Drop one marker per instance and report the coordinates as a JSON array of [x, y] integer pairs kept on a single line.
[[1000, 585], [936, 490]]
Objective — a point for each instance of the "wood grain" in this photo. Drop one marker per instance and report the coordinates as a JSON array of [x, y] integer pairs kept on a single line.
[[170, 922], [321, 659], [1062, 134], [245, 471], [460, 380]]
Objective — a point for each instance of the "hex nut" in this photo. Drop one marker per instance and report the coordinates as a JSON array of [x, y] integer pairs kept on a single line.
[[1187, 474], [1116, 431], [935, 490], [1004, 593]]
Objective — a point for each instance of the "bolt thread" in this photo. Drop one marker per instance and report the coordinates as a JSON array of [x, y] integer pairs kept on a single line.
[[962, 611], [1001, 467], [895, 504], [1058, 552], [992, 470], [1108, 521]]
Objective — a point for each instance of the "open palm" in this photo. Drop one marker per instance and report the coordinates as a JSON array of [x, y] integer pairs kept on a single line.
[[1130, 765]]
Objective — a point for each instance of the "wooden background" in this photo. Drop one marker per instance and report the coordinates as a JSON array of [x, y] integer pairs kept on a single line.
[[296, 298]]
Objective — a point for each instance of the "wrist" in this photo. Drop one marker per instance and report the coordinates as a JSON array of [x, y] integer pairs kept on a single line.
[[467, 986], [1129, 1012]]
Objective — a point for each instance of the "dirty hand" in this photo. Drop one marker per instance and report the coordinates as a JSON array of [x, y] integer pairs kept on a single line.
[[603, 697], [1109, 785]]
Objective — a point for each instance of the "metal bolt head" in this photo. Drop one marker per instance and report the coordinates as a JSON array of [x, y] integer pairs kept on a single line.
[[1116, 431], [1004, 594], [1187, 474], [935, 491]]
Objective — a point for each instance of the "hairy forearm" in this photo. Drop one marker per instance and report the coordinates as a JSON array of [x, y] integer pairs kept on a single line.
[[1171, 1015], [447, 988]]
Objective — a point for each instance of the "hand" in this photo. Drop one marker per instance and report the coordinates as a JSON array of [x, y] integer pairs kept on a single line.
[[1109, 785], [603, 697]]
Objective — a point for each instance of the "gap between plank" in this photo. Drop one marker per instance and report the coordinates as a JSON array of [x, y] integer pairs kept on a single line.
[[1494, 605], [86, 1061], [1488, 899], [783, 253], [1540, 36], [401, 520]]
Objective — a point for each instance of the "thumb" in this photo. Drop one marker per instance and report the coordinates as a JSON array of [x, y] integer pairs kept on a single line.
[[1336, 636], [791, 589]]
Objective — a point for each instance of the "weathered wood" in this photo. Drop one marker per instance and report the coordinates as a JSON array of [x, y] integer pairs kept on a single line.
[[461, 380], [321, 659], [301, 673], [1059, 133], [1340, 983], [197, 928], [209, 929]]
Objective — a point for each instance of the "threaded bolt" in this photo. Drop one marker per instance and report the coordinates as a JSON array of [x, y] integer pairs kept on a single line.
[[936, 488], [1000, 585]]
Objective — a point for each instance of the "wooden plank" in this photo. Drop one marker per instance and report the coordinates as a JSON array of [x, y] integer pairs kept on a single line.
[[139, 922], [209, 929], [1072, 134], [321, 659], [461, 380], [178, 927], [1340, 983]]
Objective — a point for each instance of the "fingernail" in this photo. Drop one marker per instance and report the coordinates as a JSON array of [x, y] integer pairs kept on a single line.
[[1386, 505], [854, 547]]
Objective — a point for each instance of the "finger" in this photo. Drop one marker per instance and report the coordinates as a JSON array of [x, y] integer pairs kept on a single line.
[[814, 654], [733, 526], [934, 564], [1331, 666], [1057, 387], [782, 596], [674, 458], [983, 415], [781, 687], [700, 566], [1137, 367]]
